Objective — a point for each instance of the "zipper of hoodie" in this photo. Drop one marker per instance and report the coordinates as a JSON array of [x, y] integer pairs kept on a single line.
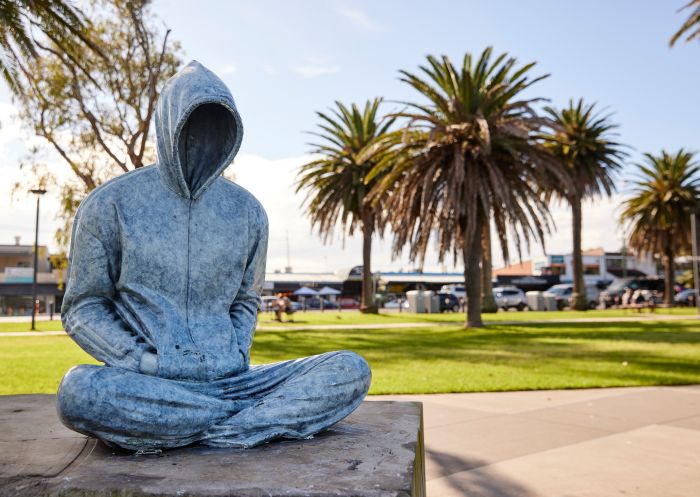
[[187, 293]]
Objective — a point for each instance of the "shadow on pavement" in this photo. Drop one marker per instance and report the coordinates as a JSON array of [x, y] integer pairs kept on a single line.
[[482, 481]]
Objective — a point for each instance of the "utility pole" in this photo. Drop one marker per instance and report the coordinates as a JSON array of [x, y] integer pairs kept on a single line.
[[288, 269], [624, 252], [38, 192], [696, 283]]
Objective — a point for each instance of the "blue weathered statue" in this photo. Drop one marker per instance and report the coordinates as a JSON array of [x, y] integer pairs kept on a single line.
[[166, 269]]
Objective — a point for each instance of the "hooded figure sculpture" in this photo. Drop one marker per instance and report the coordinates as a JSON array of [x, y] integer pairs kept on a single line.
[[166, 268]]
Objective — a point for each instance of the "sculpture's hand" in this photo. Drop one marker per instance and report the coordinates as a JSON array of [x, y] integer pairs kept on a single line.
[[149, 364]]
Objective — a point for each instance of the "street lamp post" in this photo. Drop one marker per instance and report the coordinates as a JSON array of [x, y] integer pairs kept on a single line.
[[38, 192]]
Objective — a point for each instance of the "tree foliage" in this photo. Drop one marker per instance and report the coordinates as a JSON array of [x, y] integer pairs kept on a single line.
[[690, 30], [666, 193], [337, 185], [582, 140], [468, 151], [25, 23], [95, 110]]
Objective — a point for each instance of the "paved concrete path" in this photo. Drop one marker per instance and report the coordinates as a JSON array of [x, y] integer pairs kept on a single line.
[[381, 326], [642, 442]]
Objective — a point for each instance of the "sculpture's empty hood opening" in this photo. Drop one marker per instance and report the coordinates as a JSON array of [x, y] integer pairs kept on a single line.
[[205, 141], [198, 130]]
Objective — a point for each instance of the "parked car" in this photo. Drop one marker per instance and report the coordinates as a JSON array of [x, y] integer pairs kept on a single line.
[[315, 303], [348, 303], [395, 302], [563, 292], [510, 298], [686, 297], [613, 294], [456, 290], [448, 302]]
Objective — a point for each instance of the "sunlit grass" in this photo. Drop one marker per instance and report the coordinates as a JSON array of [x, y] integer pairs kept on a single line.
[[440, 358]]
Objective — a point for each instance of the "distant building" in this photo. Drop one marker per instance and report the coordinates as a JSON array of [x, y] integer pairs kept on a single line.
[[349, 282], [599, 266], [16, 275]]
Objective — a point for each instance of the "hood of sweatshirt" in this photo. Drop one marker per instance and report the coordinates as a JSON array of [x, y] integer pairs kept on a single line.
[[198, 130]]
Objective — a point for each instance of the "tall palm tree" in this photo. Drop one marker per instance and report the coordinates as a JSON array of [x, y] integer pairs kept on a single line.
[[57, 20], [467, 154], [691, 27], [336, 183], [582, 141], [665, 195]]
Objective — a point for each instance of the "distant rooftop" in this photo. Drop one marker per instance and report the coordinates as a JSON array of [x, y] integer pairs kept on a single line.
[[18, 249]]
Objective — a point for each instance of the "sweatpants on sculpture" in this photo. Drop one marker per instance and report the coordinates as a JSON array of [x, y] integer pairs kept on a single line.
[[290, 399]]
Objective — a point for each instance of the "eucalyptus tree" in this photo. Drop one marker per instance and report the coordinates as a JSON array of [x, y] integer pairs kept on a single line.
[[468, 152], [336, 184], [666, 193], [690, 30], [94, 108], [582, 140]]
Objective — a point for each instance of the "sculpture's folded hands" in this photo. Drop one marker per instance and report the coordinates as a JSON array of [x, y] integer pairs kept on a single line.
[[166, 269]]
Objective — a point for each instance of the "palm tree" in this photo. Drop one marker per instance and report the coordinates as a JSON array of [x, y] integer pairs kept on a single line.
[[581, 140], [336, 182], [691, 27], [467, 154], [666, 194], [57, 20]]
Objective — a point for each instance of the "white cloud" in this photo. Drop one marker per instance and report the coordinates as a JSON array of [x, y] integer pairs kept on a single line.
[[359, 18], [272, 181], [313, 68], [600, 229], [269, 69], [228, 68]]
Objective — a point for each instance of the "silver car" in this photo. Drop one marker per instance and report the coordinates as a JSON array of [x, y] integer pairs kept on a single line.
[[510, 298]]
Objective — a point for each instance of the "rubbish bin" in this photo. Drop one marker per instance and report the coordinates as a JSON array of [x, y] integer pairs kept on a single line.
[[536, 301], [550, 302], [432, 302], [423, 301], [416, 301]]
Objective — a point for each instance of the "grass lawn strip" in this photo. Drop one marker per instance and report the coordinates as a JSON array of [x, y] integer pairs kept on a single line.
[[442, 358]]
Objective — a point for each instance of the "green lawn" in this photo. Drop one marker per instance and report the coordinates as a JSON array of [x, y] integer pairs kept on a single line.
[[441, 358], [355, 317]]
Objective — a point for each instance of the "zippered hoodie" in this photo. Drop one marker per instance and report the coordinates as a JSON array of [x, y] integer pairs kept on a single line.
[[167, 262]]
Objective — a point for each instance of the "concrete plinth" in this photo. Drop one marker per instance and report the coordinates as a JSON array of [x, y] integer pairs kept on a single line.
[[375, 452]]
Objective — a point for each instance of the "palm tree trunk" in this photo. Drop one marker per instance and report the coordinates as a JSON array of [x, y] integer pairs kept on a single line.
[[669, 274], [472, 276], [367, 300], [488, 303], [580, 302]]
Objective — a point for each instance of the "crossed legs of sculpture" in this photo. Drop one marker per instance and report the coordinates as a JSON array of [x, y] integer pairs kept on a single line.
[[291, 399]]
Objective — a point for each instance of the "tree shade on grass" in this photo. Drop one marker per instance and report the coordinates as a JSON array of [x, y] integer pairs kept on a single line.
[[441, 358]]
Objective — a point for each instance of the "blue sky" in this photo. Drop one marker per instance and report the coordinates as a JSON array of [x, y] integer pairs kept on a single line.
[[284, 60], [291, 58]]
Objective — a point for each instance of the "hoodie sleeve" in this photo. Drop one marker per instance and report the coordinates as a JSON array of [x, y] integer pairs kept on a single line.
[[244, 309], [88, 312]]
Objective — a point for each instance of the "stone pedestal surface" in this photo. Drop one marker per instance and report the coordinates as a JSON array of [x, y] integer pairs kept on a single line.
[[377, 451]]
